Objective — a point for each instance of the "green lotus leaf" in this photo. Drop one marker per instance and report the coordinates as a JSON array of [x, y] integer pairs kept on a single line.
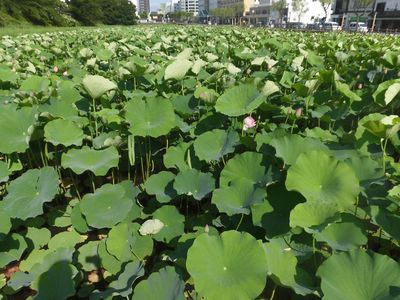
[[5, 224], [151, 117], [123, 285], [282, 267], [319, 177], [107, 260], [107, 206], [96, 85], [65, 239], [239, 100], [35, 257], [87, 256], [173, 223], [104, 54], [194, 183], [161, 185], [238, 197], [388, 221], [249, 165], [63, 132], [7, 75], [230, 266], [60, 216], [39, 237], [35, 84], [11, 249], [4, 172], [342, 236], [77, 219], [214, 144], [125, 243], [314, 214], [289, 147], [365, 167], [57, 282], [177, 69], [180, 157], [359, 275], [165, 284], [87, 159], [344, 89], [19, 280], [16, 129], [386, 91], [27, 193]]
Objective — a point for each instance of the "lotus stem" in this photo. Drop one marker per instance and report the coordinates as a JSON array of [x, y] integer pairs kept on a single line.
[[240, 222], [94, 117], [384, 155]]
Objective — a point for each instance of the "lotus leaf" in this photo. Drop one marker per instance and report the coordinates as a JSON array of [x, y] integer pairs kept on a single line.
[[38, 237], [239, 100], [96, 85], [63, 132], [313, 214], [359, 275], [194, 183], [319, 177], [160, 185], [165, 284], [177, 69], [173, 223], [107, 206], [27, 194], [87, 256], [35, 84], [87, 159], [11, 249], [5, 224], [4, 172], [65, 239], [214, 144]]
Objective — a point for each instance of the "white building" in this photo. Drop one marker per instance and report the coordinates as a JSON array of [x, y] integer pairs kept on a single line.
[[172, 6], [191, 6]]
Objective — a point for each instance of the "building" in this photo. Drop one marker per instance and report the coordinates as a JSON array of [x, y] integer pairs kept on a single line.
[[387, 14], [172, 6], [143, 6], [311, 11], [191, 6]]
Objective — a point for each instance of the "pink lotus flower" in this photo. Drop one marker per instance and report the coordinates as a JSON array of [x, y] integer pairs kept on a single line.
[[55, 69], [248, 123], [298, 112]]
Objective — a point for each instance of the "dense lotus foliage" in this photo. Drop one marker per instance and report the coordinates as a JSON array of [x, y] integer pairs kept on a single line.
[[220, 163]]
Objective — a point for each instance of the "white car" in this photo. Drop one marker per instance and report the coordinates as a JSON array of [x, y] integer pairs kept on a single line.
[[331, 26], [360, 27]]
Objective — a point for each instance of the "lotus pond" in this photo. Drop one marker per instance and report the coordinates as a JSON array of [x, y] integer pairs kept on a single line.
[[173, 163]]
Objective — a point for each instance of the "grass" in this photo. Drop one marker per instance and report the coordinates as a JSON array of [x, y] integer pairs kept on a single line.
[[29, 29]]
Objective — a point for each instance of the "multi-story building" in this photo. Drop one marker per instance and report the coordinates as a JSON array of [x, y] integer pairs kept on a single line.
[[143, 6], [191, 6], [172, 6], [387, 14]]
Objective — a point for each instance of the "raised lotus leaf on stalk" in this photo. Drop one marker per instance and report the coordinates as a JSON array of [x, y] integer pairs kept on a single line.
[[213, 145], [153, 117], [63, 132], [161, 185], [239, 100], [194, 183], [322, 178], [86, 159], [386, 92], [166, 284], [177, 69], [230, 266], [27, 194], [96, 86], [238, 197], [180, 156], [107, 206], [359, 275], [16, 128]]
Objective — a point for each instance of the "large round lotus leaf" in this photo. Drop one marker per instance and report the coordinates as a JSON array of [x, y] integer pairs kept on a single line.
[[65, 239], [15, 127], [125, 243], [177, 69], [165, 284], [239, 100], [289, 147], [11, 249], [365, 167], [77, 219], [226, 267], [214, 144], [35, 84], [86, 159], [179, 157], [4, 172], [5, 224], [247, 165], [87, 256], [282, 267], [123, 285], [7, 75], [161, 185], [359, 275], [314, 214], [319, 177], [194, 183], [107, 206], [107, 260], [388, 221], [63, 132], [151, 117], [96, 85], [57, 282], [39, 237], [173, 223], [238, 197], [35, 257], [27, 193], [342, 236]]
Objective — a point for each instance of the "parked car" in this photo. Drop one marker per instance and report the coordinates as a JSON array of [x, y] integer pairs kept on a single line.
[[295, 25], [360, 27], [331, 26]]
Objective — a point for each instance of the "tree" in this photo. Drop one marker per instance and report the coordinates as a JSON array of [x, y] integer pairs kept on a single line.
[[300, 7], [88, 12], [280, 6], [118, 12], [326, 4], [360, 8]]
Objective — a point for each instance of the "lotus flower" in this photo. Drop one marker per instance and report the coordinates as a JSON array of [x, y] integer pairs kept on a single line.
[[65, 73], [206, 229], [248, 123], [298, 112], [55, 69]]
